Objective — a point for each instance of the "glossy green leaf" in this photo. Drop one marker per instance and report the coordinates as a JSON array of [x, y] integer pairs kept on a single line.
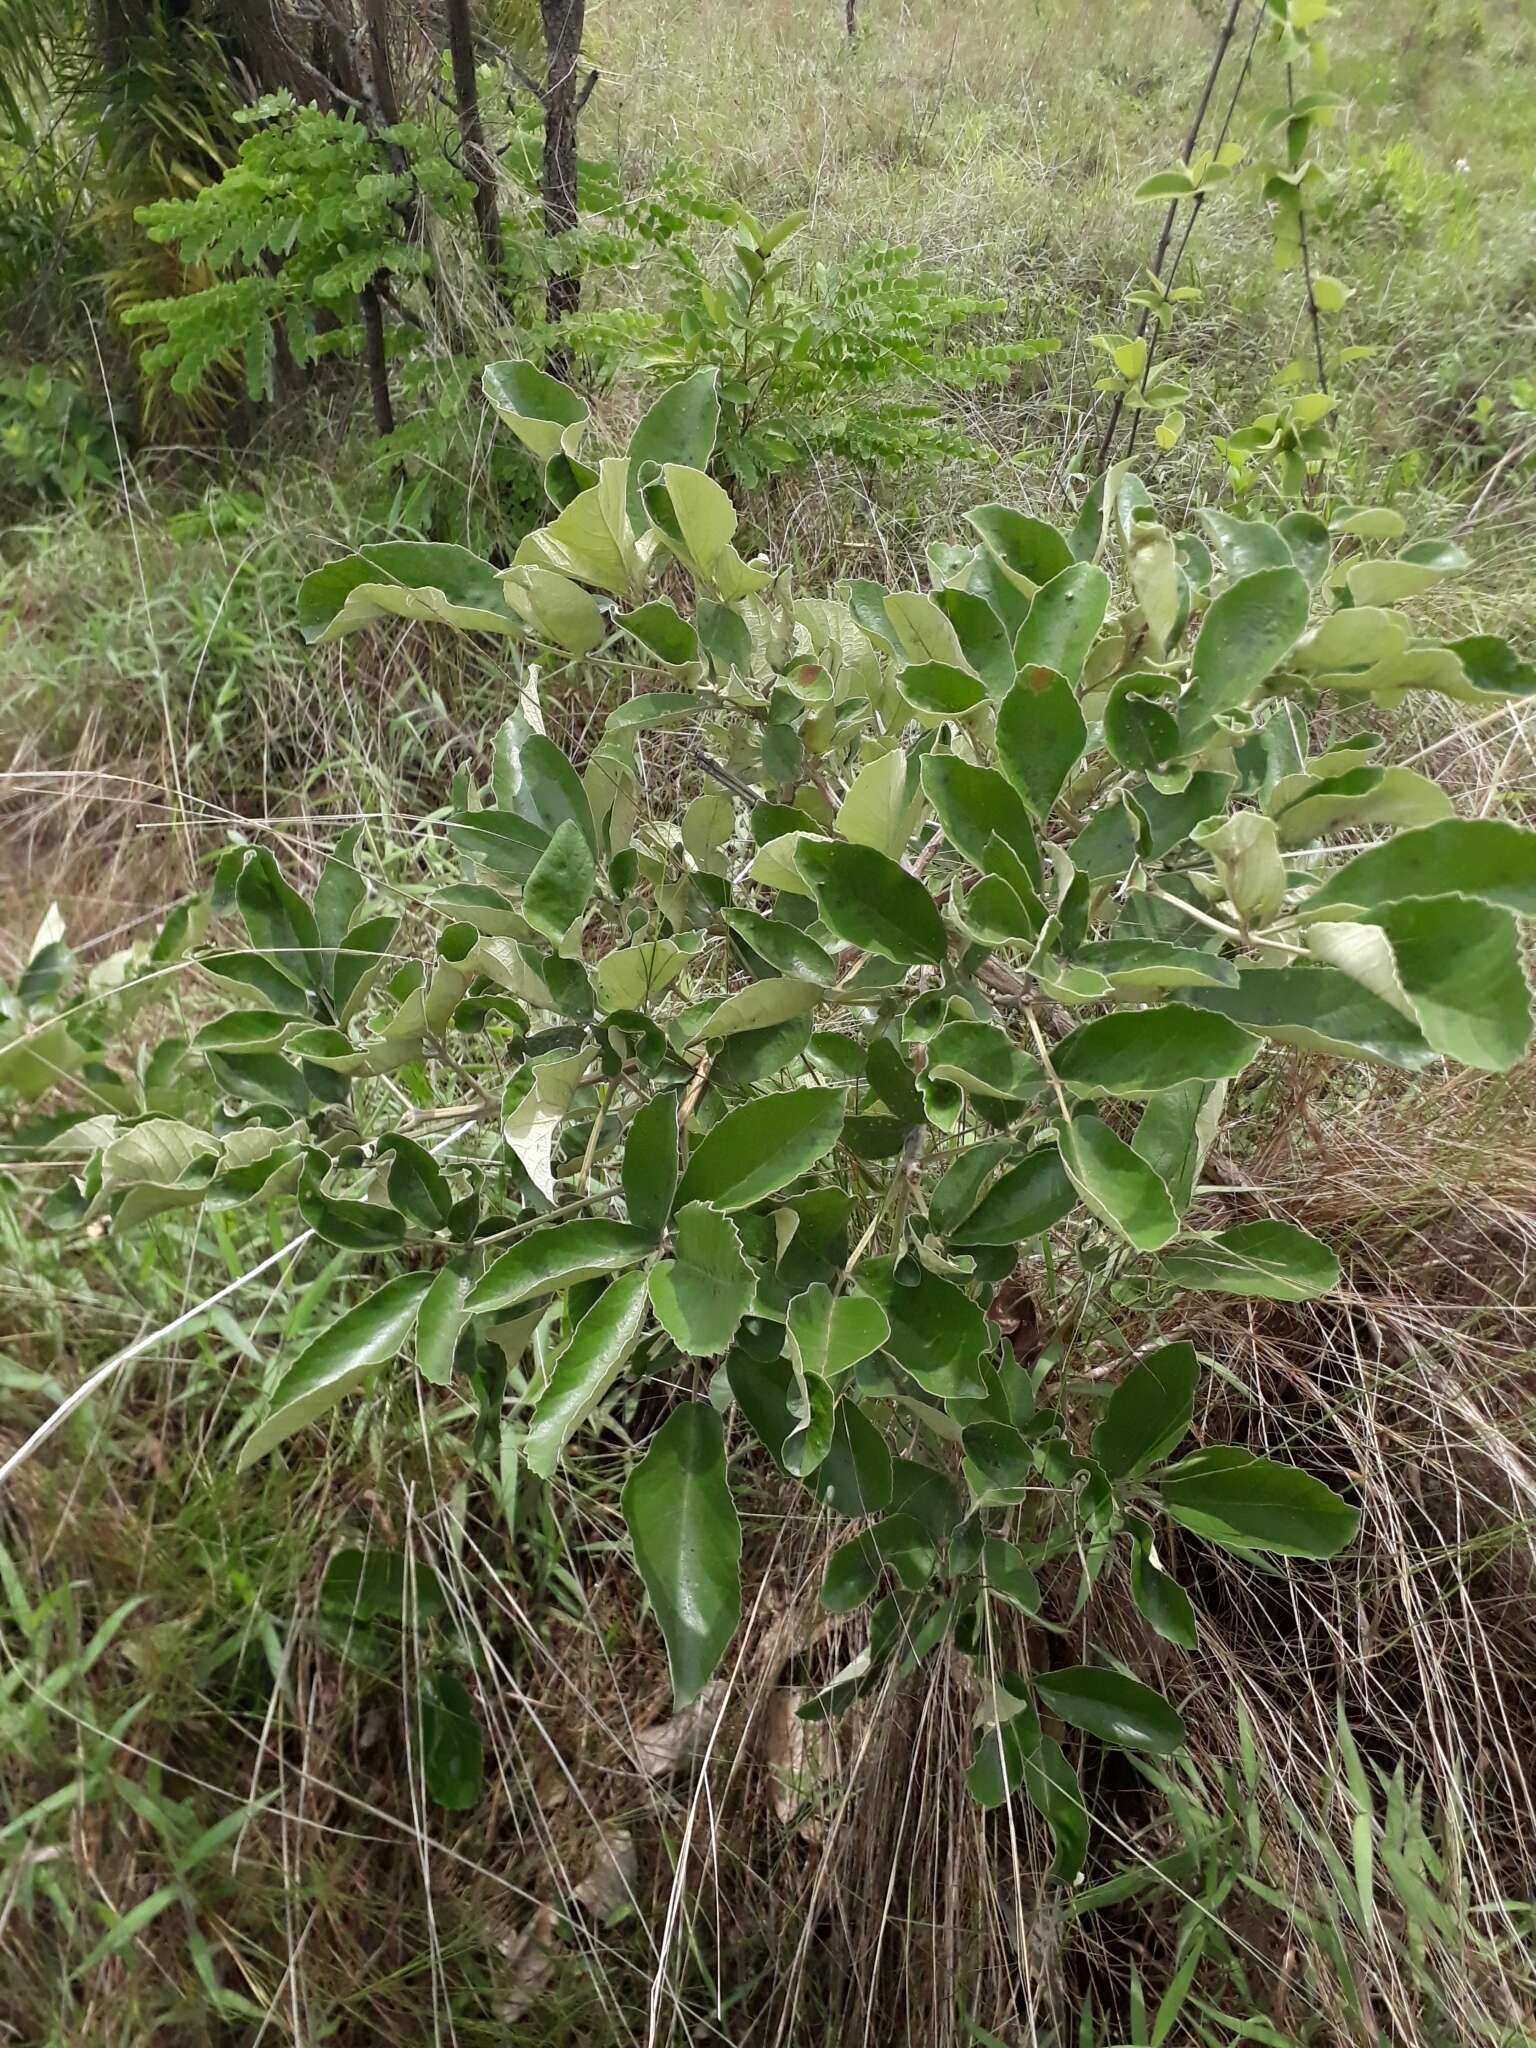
[[443, 1315], [973, 804], [938, 1334], [650, 1171], [1318, 1009], [452, 1749], [680, 427], [1141, 1052], [1149, 1411], [433, 581], [596, 1353], [338, 1361], [1118, 1186], [558, 1255], [1244, 636], [702, 1292], [1040, 739], [1113, 1707], [1483, 857], [560, 887], [866, 900], [1063, 622], [763, 1145], [687, 1543], [1023, 1202], [1248, 1503], [829, 1335], [785, 949], [1268, 1260]]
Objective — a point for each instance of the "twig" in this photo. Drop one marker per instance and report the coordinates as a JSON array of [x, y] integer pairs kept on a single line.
[[1218, 58], [1511, 456]]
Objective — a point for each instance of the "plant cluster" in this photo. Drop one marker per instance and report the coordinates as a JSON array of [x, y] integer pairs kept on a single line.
[[825, 364], [316, 209], [1002, 892], [54, 442]]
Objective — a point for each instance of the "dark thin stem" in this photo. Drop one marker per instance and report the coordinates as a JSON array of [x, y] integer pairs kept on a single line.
[[1197, 208], [1306, 264], [1218, 58], [477, 159]]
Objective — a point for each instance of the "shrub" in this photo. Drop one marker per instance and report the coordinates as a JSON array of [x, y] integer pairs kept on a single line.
[[1000, 896]]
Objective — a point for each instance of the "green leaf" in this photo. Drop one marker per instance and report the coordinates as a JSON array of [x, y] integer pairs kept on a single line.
[[663, 631], [1023, 1203], [938, 690], [1246, 1503], [829, 1335], [1160, 1599], [1113, 1707], [1483, 857], [598, 1349], [1176, 1130], [1141, 1052], [938, 1334], [557, 1256], [280, 922], [680, 427], [546, 415], [337, 1362], [353, 1226], [972, 804], [452, 1761], [762, 1146], [1052, 1788], [499, 840], [1246, 849], [1318, 1009], [1148, 1412], [560, 887], [984, 1060], [554, 608], [417, 1185], [1040, 739], [404, 579], [1246, 545], [786, 950], [1063, 622], [1118, 1186], [376, 1585], [1267, 1260], [757, 1007], [649, 1172], [634, 976], [1135, 964], [554, 789], [1030, 551], [443, 1314], [701, 1294], [1459, 966], [855, 1478], [1244, 636], [687, 1543], [875, 812], [866, 900]]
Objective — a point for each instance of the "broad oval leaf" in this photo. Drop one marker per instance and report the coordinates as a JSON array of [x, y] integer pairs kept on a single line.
[[687, 1543], [866, 900], [338, 1361], [1142, 1052], [762, 1146], [1248, 1503], [1266, 1260], [558, 1255], [1149, 1411], [1115, 1708], [1120, 1188], [702, 1292]]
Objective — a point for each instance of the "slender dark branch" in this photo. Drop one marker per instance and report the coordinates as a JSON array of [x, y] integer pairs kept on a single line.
[[1196, 210], [727, 779], [1218, 58], [479, 164], [1306, 262]]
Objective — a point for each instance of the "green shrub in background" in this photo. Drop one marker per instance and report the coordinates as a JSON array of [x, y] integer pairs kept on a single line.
[[999, 897], [54, 442]]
